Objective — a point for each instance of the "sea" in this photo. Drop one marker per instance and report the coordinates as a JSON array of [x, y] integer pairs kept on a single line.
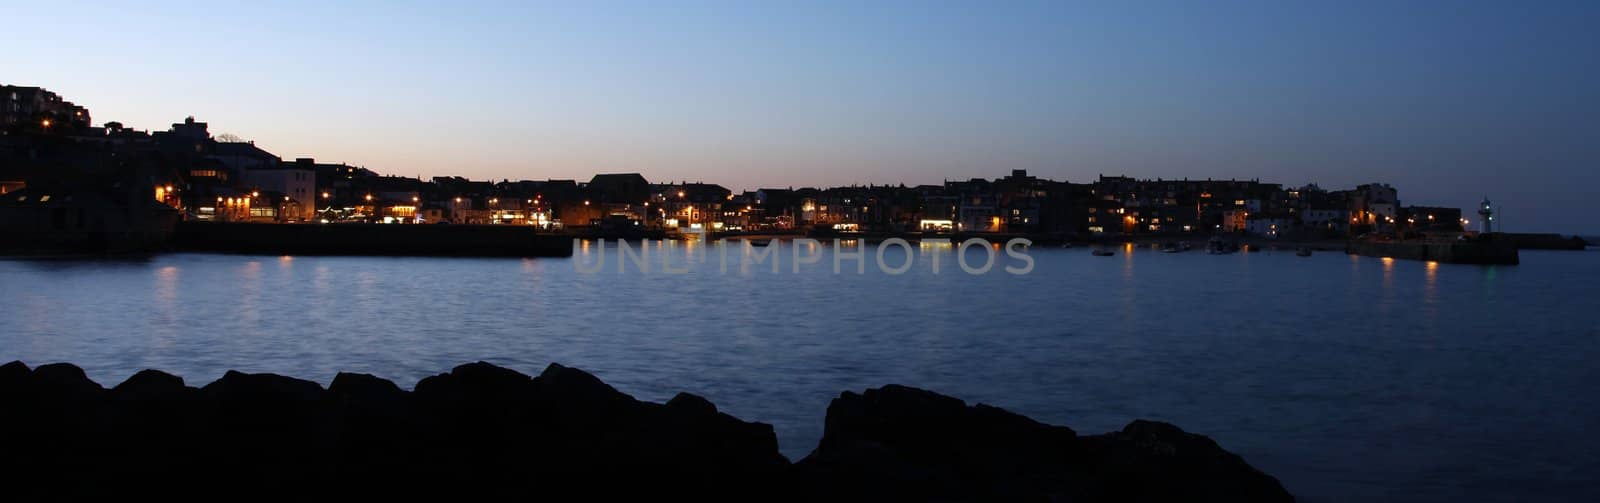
[[1348, 378]]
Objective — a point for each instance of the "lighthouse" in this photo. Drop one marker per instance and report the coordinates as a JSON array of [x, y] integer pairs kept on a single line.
[[1486, 216]]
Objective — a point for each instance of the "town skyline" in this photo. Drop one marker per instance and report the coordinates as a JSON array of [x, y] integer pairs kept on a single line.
[[1454, 102], [581, 177]]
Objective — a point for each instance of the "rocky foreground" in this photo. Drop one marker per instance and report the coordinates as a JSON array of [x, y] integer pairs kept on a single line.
[[486, 431]]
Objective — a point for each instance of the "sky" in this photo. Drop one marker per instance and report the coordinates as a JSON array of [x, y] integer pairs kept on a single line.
[[1448, 101]]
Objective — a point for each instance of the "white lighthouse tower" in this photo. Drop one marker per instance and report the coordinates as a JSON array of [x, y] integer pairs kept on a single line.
[[1485, 216]]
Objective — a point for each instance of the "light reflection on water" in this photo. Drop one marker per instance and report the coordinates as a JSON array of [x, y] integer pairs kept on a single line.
[[1348, 378]]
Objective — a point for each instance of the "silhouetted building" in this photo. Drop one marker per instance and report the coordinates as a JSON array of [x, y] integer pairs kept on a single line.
[[34, 109]]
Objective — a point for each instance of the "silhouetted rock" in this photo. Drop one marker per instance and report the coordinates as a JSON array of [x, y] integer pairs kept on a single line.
[[692, 405], [240, 386], [14, 377], [476, 381], [904, 443], [482, 431], [364, 387], [150, 384], [63, 380], [899, 442], [1155, 461]]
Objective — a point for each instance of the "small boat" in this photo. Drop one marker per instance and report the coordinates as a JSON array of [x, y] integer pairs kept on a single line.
[[758, 242], [1102, 253], [1218, 246], [1303, 252]]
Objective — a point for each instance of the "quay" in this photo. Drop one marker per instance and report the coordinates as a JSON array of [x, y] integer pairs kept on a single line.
[[371, 239], [1486, 249]]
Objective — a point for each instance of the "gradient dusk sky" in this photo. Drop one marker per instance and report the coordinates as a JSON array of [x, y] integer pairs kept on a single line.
[[1449, 101]]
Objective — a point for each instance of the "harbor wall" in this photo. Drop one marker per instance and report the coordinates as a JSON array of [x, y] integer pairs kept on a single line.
[[371, 239], [1485, 251]]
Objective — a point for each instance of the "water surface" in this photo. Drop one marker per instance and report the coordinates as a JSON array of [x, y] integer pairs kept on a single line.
[[1347, 378]]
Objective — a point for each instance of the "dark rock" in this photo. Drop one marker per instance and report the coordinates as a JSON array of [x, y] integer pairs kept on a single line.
[[909, 444], [63, 380], [896, 441], [152, 384], [477, 381], [483, 431], [364, 387], [581, 395], [693, 405], [1151, 460], [236, 385], [14, 377]]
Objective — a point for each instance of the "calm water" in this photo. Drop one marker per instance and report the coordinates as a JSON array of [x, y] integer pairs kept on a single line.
[[1348, 378]]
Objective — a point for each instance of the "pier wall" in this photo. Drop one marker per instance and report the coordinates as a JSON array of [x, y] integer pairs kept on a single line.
[[371, 239], [1491, 251]]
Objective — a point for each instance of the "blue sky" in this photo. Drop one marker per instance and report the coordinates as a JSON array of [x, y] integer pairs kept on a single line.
[[1448, 100]]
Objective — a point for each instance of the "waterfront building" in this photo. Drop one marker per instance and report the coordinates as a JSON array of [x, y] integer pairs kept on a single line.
[[35, 109]]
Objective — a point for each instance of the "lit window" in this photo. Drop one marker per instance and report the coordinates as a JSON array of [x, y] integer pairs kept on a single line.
[[44, 198]]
